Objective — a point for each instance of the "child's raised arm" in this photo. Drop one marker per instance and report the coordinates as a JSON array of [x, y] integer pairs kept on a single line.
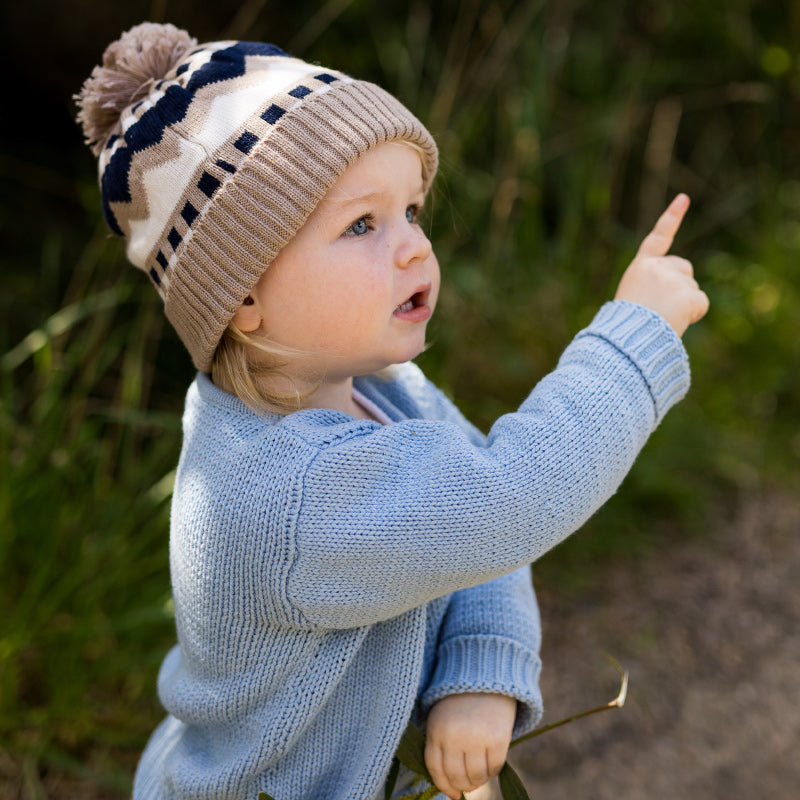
[[664, 283]]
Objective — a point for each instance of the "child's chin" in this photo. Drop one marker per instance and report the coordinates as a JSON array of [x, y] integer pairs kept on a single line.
[[410, 354]]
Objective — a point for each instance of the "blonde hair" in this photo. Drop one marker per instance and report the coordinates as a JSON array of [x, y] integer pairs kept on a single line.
[[415, 146], [235, 370]]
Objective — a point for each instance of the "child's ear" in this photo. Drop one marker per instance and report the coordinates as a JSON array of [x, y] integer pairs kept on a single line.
[[248, 316]]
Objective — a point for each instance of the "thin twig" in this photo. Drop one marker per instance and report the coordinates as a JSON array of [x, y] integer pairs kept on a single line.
[[617, 702]]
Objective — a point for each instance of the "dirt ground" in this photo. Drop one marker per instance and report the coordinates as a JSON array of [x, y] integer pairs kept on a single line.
[[710, 635]]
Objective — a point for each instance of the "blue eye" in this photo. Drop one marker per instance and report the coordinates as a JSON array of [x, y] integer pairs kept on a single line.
[[359, 227], [411, 214]]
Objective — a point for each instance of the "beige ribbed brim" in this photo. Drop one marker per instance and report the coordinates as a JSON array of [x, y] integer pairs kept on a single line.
[[263, 205]]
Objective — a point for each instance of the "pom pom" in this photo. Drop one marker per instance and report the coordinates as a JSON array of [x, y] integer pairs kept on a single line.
[[132, 65]]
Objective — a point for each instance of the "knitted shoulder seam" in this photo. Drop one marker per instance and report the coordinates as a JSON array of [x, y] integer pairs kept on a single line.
[[293, 615], [361, 429], [294, 610]]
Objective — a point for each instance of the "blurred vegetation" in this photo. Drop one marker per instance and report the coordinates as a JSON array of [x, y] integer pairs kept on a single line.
[[564, 129]]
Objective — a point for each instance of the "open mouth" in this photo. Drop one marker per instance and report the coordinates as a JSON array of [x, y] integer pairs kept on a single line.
[[416, 308], [409, 304], [417, 300]]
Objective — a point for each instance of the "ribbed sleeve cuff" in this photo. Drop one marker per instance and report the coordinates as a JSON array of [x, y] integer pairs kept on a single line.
[[489, 664], [651, 344]]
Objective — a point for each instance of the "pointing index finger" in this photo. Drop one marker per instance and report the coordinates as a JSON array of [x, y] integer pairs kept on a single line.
[[659, 240]]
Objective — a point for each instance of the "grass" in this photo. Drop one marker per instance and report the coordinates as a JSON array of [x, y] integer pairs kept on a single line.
[[564, 128], [84, 515]]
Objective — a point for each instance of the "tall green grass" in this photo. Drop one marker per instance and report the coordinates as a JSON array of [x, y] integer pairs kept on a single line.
[[84, 513], [564, 128]]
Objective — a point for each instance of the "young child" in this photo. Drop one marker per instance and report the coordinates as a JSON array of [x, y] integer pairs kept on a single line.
[[347, 552]]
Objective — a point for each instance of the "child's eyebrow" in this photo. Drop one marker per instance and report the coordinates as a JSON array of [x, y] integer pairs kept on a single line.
[[343, 202]]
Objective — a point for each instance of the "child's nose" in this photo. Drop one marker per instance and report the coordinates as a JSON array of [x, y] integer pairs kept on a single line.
[[414, 246]]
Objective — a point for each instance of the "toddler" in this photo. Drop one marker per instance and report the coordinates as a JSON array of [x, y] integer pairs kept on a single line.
[[347, 552]]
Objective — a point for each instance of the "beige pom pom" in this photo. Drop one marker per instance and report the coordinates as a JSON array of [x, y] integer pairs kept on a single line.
[[132, 65]]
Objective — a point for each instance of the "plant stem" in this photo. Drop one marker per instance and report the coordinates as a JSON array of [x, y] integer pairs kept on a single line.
[[617, 702]]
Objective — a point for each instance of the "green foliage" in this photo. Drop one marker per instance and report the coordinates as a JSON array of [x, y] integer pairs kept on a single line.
[[86, 461], [511, 785], [564, 129]]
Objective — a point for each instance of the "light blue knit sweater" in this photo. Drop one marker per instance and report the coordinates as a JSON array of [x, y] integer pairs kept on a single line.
[[332, 576]]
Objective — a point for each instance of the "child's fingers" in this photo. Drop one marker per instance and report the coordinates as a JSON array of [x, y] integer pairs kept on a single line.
[[477, 768], [682, 265], [659, 240], [700, 308], [495, 759], [434, 763], [455, 770]]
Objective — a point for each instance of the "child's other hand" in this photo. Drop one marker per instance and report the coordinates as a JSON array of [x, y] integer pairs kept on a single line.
[[467, 739], [661, 282]]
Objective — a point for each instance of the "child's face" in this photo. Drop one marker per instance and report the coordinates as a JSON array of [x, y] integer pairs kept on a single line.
[[358, 283]]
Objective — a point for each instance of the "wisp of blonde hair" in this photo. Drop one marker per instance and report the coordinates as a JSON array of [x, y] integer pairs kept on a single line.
[[241, 362]]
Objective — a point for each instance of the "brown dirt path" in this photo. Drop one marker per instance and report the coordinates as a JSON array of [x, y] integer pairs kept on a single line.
[[710, 634]]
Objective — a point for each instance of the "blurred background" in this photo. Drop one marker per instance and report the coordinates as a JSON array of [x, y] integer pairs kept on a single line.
[[564, 127]]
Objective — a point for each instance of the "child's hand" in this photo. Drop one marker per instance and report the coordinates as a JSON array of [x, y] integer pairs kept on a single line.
[[467, 739], [664, 283]]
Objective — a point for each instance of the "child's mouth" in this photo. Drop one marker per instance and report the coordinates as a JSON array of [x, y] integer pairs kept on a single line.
[[407, 306], [416, 308]]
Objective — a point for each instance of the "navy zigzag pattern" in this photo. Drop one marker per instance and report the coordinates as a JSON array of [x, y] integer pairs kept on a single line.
[[169, 109]]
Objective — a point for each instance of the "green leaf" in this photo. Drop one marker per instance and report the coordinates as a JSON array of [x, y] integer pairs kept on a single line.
[[265, 796], [511, 787], [411, 751], [431, 791], [391, 779]]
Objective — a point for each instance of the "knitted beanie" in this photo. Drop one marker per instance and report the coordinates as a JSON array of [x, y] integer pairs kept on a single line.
[[211, 158]]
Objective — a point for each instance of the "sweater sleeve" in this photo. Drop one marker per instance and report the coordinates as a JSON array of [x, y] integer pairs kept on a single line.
[[490, 635], [391, 518], [489, 642]]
